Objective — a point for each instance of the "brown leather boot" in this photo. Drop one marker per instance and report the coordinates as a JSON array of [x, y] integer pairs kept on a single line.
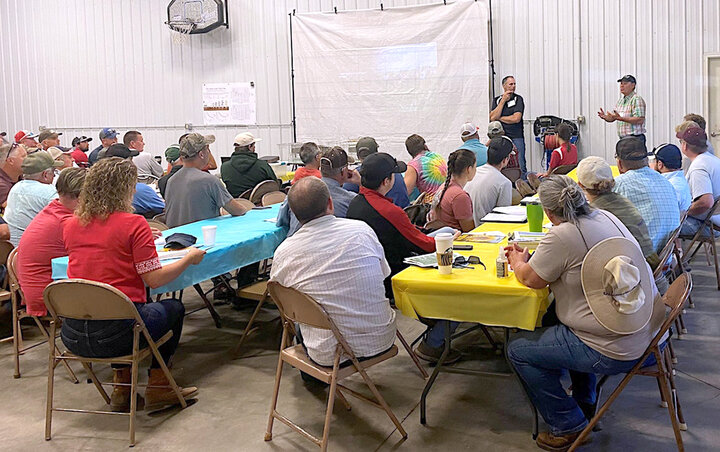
[[120, 397], [162, 397], [548, 441]]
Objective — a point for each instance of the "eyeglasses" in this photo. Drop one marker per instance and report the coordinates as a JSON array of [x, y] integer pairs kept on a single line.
[[465, 262]]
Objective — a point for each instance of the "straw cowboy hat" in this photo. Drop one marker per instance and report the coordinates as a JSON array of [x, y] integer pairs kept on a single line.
[[618, 285]]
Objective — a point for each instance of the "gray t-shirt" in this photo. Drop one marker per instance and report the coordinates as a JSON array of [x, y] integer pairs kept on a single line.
[[193, 195], [703, 176], [558, 260], [488, 189], [147, 167]]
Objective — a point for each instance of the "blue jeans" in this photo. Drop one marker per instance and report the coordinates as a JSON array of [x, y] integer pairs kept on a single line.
[[520, 145], [111, 338], [540, 357], [436, 335], [692, 226]]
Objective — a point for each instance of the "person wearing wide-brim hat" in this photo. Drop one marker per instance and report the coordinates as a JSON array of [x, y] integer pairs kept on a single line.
[[606, 302]]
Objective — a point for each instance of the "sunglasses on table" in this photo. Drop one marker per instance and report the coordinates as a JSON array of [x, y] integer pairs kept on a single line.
[[465, 262]]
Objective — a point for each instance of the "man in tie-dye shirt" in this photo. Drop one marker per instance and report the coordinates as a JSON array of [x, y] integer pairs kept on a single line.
[[427, 170]]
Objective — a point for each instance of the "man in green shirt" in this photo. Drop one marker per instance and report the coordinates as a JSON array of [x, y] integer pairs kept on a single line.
[[245, 170]]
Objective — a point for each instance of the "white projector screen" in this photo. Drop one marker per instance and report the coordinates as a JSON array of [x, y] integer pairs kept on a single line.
[[389, 74]]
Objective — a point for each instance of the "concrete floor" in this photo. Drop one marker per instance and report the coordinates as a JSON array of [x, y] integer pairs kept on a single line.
[[464, 412]]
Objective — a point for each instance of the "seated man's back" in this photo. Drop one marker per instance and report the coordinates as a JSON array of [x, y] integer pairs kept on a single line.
[[245, 170], [193, 195], [488, 189]]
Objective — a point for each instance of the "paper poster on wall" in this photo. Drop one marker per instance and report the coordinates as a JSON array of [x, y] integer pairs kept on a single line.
[[229, 104]]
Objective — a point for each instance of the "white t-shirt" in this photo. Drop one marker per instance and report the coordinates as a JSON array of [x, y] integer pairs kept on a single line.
[[488, 189], [703, 176]]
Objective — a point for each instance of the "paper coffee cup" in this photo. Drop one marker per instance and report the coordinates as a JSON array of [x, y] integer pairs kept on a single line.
[[209, 235], [444, 252]]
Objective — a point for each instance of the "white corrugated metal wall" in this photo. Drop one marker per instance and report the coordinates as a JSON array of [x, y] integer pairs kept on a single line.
[[81, 65]]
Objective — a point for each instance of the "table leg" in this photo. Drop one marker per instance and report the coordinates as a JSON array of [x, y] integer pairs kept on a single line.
[[522, 384], [436, 371], [208, 305]]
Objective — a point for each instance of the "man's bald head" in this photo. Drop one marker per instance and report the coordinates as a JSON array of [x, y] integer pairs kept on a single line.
[[309, 199]]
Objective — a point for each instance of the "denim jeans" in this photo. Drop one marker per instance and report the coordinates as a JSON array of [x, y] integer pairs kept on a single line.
[[436, 336], [520, 145], [540, 357], [692, 226], [110, 338]]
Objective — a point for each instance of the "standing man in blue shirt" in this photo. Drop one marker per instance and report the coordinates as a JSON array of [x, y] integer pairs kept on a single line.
[[398, 193], [471, 142], [509, 109]]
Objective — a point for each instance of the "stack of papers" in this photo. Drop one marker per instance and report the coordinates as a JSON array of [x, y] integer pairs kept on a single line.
[[526, 239], [481, 237], [176, 254], [511, 210], [426, 260], [493, 217], [530, 199]]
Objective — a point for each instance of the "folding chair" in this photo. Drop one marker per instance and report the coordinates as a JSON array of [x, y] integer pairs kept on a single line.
[[244, 202], [294, 306], [674, 298], [662, 271], [701, 237], [512, 174], [159, 217], [19, 313], [90, 300], [563, 169], [262, 189], [274, 197], [158, 225]]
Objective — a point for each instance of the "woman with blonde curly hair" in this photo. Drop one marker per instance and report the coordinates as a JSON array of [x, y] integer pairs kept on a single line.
[[106, 242]]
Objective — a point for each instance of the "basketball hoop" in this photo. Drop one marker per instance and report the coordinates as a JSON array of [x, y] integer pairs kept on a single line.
[[181, 29]]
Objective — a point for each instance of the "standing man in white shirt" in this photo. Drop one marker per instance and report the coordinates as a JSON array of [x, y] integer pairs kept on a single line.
[[341, 264], [490, 188], [703, 176], [149, 170]]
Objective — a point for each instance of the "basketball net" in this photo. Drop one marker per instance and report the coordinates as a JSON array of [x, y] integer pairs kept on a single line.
[[180, 31]]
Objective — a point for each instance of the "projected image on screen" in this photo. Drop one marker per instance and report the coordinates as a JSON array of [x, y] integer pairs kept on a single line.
[[392, 73]]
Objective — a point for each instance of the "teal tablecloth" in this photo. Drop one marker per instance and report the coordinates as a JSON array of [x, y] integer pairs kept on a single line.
[[239, 241]]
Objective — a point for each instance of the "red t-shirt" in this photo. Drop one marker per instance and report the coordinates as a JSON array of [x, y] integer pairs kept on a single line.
[[305, 172], [41, 242], [564, 156], [456, 205], [115, 251], [80, 157]]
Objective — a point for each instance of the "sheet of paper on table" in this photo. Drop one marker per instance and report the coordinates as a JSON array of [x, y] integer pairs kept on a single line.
[[481, 237], [175, 254], [511, 210], [524, 238], [530, 199], [426, 260], [504, 218]]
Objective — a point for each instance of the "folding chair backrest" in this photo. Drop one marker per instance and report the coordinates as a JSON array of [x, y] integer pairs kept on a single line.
[[12, 273], [295, 306], [88, 300], [245, 203], [5, 249], [667, 251], [158, 225], [512, 174], [261, 189], [274, 197], [246, 194], [159, 217], [563, 169], [674, 298], [712, 212], [419, 200]]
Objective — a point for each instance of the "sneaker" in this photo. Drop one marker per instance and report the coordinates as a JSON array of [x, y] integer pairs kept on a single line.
[[432, 354], [548, 441], [524, 188], [534, 180]]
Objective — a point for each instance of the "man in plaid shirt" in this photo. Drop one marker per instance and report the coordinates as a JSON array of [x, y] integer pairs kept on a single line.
[[652, 194], [629, 111]]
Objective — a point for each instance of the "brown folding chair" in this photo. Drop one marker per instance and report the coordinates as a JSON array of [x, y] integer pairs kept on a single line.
[[158, 225], [274, 197], [19, 312], [674, 298], [90, 300], [702, 237], [159, 217], [562, 169], [246, 194], [262, 189], [294, 306], [512, 174]]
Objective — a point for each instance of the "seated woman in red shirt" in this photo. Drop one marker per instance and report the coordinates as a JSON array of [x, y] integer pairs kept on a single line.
[[106, 242], [454, 206], [566, 153], [42, 241]]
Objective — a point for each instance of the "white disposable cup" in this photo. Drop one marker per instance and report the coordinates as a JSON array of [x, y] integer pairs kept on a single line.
[[209, 235], [444, 252]]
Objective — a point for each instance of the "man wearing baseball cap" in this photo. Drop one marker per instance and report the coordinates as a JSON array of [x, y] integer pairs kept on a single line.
[[703, 176], [30, 195], [192, 194], [651, 193], [245, 170], [398, 193], [26, 138], [629, 110], [49, 138], [108, 137], [399, 237], [666, 159], [471, 141], [80, 147], [172, 155]]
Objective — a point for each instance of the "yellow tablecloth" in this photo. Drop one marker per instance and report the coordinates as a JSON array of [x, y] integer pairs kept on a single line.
[[471, 295], [573, 174]]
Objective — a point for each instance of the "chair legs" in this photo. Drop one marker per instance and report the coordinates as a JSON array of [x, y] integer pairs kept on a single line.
[[276, 390], [50, 387], [248, 328], [412, 354]]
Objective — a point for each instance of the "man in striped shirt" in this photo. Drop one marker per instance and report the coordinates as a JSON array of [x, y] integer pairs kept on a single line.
[[629, 111], [341, 264]]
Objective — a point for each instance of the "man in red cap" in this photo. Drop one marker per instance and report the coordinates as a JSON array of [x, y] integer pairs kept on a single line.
[[27, 139], [703, 176]]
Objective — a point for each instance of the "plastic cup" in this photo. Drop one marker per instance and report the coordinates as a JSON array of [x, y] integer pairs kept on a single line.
[[209, 235], [535, 217], [444, 252]]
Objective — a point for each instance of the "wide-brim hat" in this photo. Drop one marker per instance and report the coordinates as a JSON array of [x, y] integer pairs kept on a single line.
[[618, 285]]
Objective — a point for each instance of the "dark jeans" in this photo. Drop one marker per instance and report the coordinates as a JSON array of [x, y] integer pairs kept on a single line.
[[640, 137], [111, 338], [520, 145]]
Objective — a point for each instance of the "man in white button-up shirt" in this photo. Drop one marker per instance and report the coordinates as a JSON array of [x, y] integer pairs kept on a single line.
[[341, 264]]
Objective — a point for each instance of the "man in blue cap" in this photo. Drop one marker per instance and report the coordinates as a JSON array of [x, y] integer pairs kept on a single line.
[[668, 162], [108, 137]]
